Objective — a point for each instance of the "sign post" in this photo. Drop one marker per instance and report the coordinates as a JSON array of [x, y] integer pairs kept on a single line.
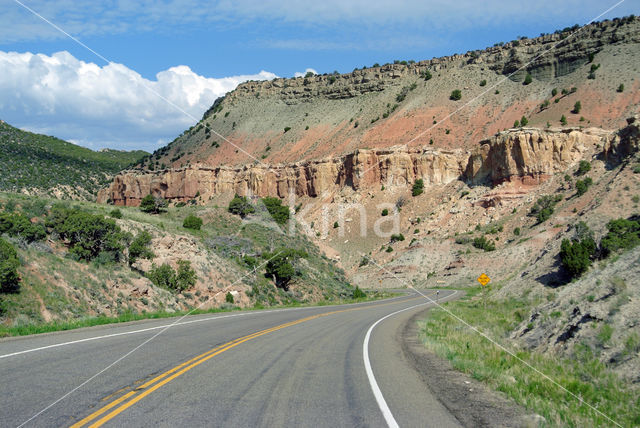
[[483, 279]]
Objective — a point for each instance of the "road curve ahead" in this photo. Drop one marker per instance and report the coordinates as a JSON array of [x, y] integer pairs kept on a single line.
[[320, 366]]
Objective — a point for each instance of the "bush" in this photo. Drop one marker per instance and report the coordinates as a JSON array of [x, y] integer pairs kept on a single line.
[[280, 266], [576, 255], [229, 298], [116, 213], [524, 121], [527, 79], [384, 213], [279, 212], [389, 249], [336, 225], [139, 247], [426, 75], [543, 208], [9, 279], [241, 206], [287, 128], [192, 222], [358, 293], [516, 124], [583, 185], [563, 120], [152, 204], [577, 107], [165, 277], [516, 231], [622, 234], [554, 92], [86, 234], [583, 167], [397, 237], [456, 95], [418, 187], [620, 88], [483, 82], [20, 226], [484, 244]]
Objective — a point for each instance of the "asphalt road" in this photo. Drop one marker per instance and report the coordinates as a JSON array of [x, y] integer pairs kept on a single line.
[[292, 367]]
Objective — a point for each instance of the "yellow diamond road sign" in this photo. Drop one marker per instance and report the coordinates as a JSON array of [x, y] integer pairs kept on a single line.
[[484, 279]]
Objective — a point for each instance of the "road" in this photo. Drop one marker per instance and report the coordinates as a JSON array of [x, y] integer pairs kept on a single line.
[[290, 367]]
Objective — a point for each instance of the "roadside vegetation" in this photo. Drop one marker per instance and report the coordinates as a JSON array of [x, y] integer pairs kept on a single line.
[[584, 375]]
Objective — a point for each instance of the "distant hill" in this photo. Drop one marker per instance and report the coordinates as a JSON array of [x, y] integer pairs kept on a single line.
[[40, 164]]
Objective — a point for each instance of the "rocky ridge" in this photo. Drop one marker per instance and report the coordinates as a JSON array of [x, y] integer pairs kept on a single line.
[[526, 155]]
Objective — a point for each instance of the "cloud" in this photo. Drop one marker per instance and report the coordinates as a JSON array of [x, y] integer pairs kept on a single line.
[[105, 106], [102, 17], [302, 74]]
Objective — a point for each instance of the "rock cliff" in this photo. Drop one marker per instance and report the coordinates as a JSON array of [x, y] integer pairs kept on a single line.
[[527, 155]]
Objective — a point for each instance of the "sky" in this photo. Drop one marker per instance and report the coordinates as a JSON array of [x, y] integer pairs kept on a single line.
[[134, 74]]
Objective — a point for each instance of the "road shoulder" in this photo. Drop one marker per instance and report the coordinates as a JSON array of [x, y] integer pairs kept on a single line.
[[472, 403]]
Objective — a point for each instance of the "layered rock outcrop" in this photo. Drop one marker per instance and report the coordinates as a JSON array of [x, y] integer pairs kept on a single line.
[[526, 155]]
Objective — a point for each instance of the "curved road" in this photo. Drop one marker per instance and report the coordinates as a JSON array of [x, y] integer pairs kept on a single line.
[[290, 367]]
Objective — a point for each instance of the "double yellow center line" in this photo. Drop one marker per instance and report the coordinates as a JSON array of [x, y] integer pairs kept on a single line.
[[119, 405]]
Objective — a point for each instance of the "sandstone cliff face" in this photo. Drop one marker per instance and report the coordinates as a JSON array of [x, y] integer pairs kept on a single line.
[[526, 155]]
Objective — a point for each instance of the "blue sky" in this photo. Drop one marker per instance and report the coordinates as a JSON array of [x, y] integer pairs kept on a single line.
[[191, 52]]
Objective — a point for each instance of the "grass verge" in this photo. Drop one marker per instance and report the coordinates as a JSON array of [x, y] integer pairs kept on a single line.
[[584, 375], [37, 328]]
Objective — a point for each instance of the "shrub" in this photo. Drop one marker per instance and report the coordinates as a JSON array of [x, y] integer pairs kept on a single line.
[[583, 185], [287, 128], [20, 226], [543, 208], [279, 213], [309, 74], [152, 204], [527, 79], [524, 121], [563, 120], [418, 187], [483, 82], [620, 88], [335, 225], [484, 244], [9, 279], [86, 234], [389, 249], [583, 167], [622, 234], [139, 247], [397, 237], [116, 213], [229, 298], [241, 206], [192, 222], [554, 92], [516, 231], [280, 266], [384, 213], [426, 75], [358, 293], [185, 276], [162, 276], [456, 95], [576, 255], [577, 107], [516, 124]]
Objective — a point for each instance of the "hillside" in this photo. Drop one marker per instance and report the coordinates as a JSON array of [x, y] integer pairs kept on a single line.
[[308, 118], [66, 279], [43, 165]]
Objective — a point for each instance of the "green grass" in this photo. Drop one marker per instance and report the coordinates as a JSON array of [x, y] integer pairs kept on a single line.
[[584, 375], [41, 162], [37, 328]]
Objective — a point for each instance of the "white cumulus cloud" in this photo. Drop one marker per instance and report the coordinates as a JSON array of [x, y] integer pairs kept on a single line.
[[303, 73], [110, 105]]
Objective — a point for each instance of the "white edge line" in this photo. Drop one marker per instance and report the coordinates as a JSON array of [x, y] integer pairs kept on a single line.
[[384, 408], [125, 333]]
